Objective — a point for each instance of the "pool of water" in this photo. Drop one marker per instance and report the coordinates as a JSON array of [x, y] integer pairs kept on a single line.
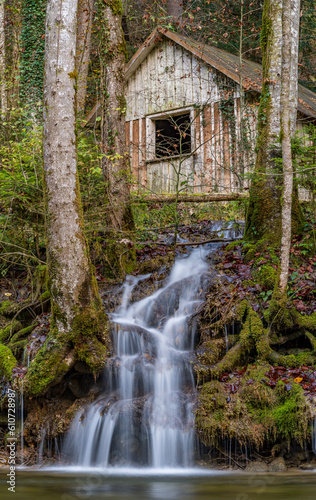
[[159, 485]]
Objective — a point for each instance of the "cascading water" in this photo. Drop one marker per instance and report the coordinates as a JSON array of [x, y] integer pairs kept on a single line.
[[146, 417]]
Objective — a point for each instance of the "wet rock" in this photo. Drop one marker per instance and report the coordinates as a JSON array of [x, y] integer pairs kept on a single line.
[[277, 465], [79, 385], [256, 466], [308, 466]]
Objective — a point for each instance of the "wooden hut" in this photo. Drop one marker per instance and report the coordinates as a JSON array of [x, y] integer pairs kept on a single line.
[[183, 115]]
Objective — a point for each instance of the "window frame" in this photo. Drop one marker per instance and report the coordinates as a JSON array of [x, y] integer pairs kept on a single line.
[[151, 133]]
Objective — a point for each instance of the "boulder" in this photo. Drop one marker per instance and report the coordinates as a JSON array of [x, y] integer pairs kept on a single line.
[[277, 465]]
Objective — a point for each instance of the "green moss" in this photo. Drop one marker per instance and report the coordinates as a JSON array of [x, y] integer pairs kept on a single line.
[[9, 308], [90, 338], [115, 5], [44, 296], [6, 332], [291, 417], [22, 333], [49, 365], [266, 275], [119, 259], [7, 362], [232, 246], [18, 348]]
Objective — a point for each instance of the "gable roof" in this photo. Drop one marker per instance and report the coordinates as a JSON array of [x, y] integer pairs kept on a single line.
[[221, 60]]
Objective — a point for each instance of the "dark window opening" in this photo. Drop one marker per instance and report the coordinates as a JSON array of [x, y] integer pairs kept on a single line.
[[173, 136]]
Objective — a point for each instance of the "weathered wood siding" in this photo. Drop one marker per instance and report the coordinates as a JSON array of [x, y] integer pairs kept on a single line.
[[170, 79]]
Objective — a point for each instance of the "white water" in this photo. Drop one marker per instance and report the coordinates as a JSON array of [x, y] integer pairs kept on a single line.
[[146, 416]]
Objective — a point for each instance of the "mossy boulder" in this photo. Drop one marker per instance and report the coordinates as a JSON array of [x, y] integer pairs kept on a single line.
[[266, 276], [7, 361]]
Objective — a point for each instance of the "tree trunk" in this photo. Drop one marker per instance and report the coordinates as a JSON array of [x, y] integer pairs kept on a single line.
[[295, 26], [115, 163], [286, 147], [264, 212], [77, 318], [3, 91], [85, 16], [175, 9], [291, 19]]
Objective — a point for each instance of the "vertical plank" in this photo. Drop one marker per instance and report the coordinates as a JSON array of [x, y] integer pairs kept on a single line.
[[217, 149], [143, 154], [208, 160], [135, 151]]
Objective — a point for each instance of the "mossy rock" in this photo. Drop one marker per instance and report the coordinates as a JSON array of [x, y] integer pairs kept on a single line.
[[266, 276], [7, 361], [9, 308]]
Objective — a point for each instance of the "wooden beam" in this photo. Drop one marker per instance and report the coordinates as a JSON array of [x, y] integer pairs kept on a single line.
[[190, 198]]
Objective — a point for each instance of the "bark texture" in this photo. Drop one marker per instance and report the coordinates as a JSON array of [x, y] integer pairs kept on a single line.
[[264, 213], [85, 16], [71, 283], [175, 9], [115, 163], [294, 41], [3, 92], [291, 13]]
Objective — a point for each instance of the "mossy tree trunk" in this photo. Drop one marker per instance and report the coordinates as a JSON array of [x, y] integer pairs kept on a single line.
[[78, 322], [85, 16], [115, 163], [3, 91], [264, 212]]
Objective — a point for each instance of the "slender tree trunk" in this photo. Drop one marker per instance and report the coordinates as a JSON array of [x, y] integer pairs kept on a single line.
[[115, 162], [85, 16], [175, 9], [291, 17], [295, 26], [3, 90], [264, 212]]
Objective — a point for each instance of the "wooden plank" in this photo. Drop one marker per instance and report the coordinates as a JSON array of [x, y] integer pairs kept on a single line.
[[217, 148], [208, 160], [143, 153], [226, 156], [135, 151]]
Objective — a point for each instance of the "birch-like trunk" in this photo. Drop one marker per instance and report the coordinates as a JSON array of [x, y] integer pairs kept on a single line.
[[71, 282], [295, 26], [288, 122], [3, 91], [115, 163], [85, 16]]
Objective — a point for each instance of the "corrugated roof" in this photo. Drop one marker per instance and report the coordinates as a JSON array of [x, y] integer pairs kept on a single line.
[[222, 61]]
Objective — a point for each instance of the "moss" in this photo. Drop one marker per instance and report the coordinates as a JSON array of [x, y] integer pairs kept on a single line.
[[306, 322], [49, 365], [9, 308], [90, 338], [7, 362], [115, 5], [22, 333], [119, 259], [44, 296], [292, 416], [18, 348], [231, 246], [266, 275], [6, 332]]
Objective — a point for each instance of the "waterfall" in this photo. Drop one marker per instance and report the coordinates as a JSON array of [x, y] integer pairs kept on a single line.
[[146, 414]]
